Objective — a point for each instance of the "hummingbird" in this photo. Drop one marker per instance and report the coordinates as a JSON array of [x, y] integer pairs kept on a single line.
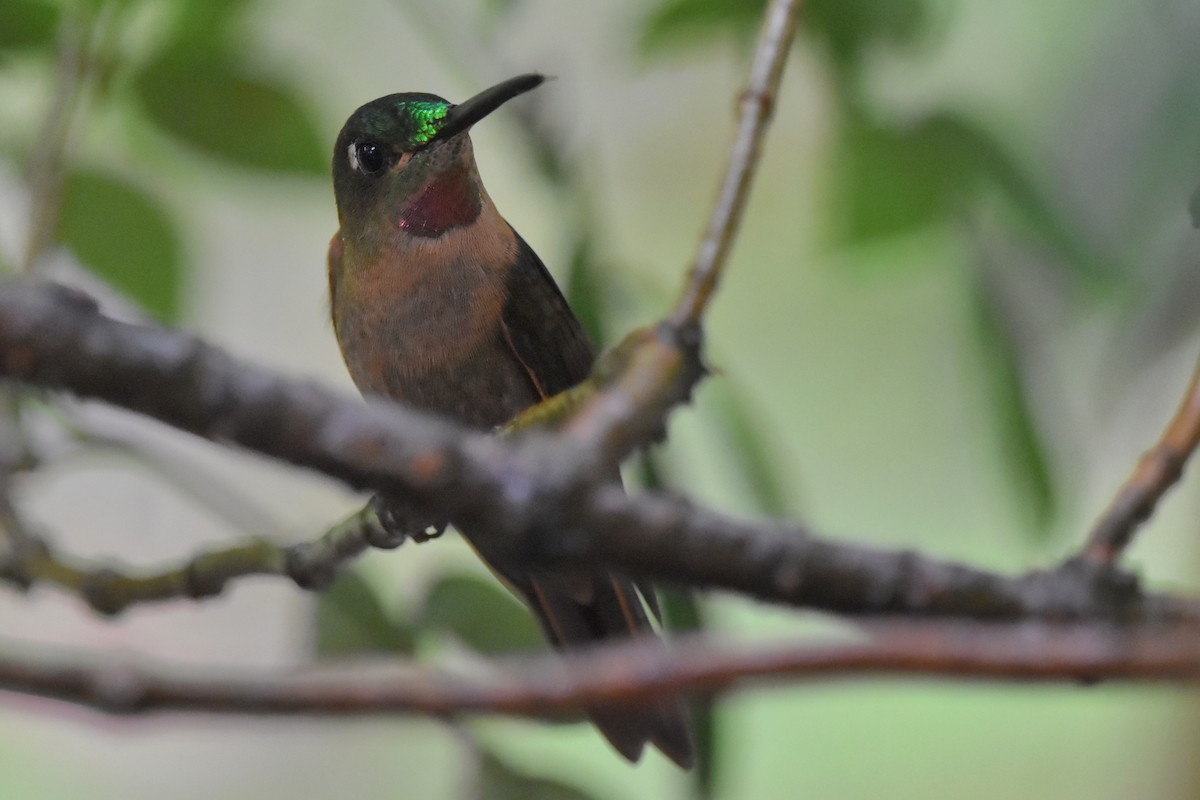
[[439, 304]]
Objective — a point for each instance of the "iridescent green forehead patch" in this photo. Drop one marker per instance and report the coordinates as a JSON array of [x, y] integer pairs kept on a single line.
[[404, 121], [426, 116]]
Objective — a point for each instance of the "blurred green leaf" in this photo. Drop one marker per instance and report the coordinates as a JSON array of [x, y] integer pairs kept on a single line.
[[849, 27], [213, 105], [1194, 208], [894, 181], [979, 151], [683, 613], [586, 291], [122, 233], [685, 22], [205, 22], [496, 10], [27, 23], [898, 180], [845, 27], [1023, 446], [498, 780], [95, 5], [749, 449], [351, 621], [649, 471], [480, 613]]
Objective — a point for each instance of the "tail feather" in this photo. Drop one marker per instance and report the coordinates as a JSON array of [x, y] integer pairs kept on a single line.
[[596, 608]]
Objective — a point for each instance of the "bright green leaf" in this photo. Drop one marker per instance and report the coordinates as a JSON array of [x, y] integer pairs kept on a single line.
[[122, 233], [27, 23], [214, 105], [1023, 446], [480, 613], [351, 621]]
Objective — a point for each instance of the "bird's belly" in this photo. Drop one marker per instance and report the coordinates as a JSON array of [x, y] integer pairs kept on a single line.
[[482, 388], [443, 354]]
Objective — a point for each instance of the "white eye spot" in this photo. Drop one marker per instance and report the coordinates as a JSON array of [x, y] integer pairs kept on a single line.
[[368, 158]]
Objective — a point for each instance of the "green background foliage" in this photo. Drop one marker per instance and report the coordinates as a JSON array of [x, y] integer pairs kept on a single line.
[[964, 299]]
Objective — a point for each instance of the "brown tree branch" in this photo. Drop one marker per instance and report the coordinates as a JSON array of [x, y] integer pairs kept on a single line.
[[534, 492], [624, 405], [756, 104], [109, 589], [627, 672], [655, 369], [1158, 470], [524, 488], [75, 67]]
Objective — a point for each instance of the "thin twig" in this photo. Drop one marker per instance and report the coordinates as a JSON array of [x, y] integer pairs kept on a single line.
[[1158, 470], [47, 165], [756, 106], [110, 590], [658, 367], [633, 387], [44, 175], [625, 673]]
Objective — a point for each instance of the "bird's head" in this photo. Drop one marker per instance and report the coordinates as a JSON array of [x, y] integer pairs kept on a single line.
[[406, 160]]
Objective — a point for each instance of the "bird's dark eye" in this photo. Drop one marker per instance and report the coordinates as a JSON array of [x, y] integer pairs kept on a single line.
[[368, 158]]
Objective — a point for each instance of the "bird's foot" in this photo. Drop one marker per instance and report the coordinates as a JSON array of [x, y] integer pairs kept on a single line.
[[398, 522]]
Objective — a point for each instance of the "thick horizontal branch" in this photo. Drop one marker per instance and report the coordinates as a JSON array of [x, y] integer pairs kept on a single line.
[[529, 492], [669, 538], [627, 673]]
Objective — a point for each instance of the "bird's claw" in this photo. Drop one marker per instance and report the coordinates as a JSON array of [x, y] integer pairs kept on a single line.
[[398, 522]]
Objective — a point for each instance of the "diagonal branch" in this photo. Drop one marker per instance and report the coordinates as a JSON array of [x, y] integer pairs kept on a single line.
[[756, 106], [1158, 470], [636, 384]]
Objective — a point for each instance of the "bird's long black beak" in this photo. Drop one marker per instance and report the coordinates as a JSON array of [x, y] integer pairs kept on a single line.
[[462, 116]]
